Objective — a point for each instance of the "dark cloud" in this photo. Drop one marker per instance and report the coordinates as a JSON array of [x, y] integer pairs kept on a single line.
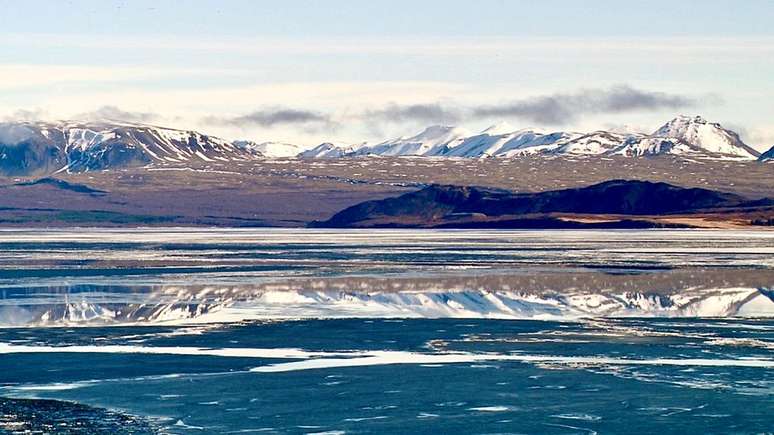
[[562, 108], [625, 98], [113, 113], [548, 109], [271, 117], [434, 112], [544, 110]]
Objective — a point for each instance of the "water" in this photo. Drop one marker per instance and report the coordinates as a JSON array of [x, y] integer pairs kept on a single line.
[[298, 331]]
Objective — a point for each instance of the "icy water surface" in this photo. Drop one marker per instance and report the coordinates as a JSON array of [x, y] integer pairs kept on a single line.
[[298, 331]]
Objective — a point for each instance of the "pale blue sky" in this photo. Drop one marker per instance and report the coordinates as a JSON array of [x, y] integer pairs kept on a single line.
[[388, 18], [209, 64]]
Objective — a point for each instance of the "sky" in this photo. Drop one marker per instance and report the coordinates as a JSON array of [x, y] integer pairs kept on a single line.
[[306, 72]]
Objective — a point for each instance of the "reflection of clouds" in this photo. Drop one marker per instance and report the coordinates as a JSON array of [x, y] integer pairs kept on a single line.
[[508, 297]]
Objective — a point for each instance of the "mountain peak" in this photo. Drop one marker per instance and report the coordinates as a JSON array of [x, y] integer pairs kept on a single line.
[[438, 132], [499, 128], [684, 121], [328, 150], [698, 119], [704, 135]]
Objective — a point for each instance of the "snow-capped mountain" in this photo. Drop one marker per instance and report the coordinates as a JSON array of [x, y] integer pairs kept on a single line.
[[36, 148], [492, 142], [706, 136], [428, 142], [41, 147], [767, 156], [270, 149], [329, 150], [683, 135]]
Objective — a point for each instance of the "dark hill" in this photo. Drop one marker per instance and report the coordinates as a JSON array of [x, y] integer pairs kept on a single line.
[[767, 156], [438, 205], [64, 185]]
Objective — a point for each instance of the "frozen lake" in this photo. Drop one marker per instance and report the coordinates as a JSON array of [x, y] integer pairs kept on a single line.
[[315, 331]]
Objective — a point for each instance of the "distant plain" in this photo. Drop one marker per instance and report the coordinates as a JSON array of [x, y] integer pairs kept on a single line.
[[293, 192]]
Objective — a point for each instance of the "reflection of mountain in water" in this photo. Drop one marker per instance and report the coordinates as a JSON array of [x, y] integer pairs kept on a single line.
[[211, 304]]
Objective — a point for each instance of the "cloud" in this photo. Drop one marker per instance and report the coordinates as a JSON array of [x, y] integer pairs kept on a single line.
[[12, 134], [760, 137], [309, 119], [553, 109], [36, 76], [271, 117], [433, 112], [36, 114], [563, 108], [558, 108], [113, 113]]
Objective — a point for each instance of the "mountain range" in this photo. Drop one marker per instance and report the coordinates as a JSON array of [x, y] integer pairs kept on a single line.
[[41, 148], [684, 135]]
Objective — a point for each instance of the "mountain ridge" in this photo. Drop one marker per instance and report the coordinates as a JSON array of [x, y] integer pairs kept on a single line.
[[32, 148], [44, 148]]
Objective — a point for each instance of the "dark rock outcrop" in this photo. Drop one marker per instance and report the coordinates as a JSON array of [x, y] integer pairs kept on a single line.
[[438, 205]]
